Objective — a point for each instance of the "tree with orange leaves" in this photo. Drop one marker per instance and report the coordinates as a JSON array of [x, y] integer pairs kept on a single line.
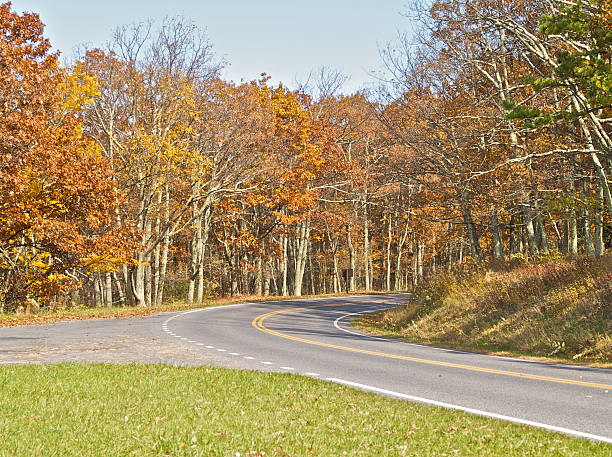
[[56, 192]]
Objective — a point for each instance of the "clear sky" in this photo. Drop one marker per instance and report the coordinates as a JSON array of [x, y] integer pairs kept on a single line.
[[283, 38]]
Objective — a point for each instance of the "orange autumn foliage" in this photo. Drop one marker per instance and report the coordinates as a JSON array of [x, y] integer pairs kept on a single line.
[[56, 193]]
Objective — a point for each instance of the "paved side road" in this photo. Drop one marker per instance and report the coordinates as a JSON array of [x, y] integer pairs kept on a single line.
[[125, 340]]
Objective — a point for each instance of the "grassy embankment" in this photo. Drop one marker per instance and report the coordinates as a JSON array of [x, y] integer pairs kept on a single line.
[[556, 308], [156, 410]]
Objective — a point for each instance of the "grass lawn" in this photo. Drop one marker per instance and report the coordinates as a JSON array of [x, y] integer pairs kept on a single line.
[[157, 410]]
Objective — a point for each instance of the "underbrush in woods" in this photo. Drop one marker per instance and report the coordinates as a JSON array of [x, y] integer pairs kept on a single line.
[[557, 307]]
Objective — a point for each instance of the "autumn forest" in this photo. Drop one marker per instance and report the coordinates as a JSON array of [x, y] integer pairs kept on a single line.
[[136, 175]]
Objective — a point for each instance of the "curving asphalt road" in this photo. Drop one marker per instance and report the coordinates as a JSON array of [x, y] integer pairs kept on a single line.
[[313, 337]]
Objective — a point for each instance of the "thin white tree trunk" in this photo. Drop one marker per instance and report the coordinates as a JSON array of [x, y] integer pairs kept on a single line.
[[351, 249], [598, 241], [388, 258], [301, 253], [108, 290], [366, 245], [589, 250], [284, 266]]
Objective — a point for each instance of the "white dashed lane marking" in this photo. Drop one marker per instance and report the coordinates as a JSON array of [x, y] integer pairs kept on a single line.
[[248, 357]]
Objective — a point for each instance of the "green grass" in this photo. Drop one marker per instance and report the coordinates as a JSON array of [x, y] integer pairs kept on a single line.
[[555, 308], [157, 410]]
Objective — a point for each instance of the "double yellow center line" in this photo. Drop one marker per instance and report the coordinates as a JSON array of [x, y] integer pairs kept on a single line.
[[259, 325]]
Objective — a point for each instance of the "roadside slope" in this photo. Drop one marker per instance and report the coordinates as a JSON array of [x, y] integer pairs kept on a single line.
[[559, 308]]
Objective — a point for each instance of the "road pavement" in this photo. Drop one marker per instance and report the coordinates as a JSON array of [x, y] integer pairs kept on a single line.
[[313, 337]]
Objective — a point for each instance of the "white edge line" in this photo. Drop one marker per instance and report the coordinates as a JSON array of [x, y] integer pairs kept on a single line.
[[336, 324], [378, 338], [478, 412]]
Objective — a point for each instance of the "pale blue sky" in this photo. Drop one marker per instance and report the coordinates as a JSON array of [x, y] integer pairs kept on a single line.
[[283, 38]]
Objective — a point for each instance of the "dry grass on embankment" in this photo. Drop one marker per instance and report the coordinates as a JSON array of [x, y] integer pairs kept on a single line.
[[556, 308]]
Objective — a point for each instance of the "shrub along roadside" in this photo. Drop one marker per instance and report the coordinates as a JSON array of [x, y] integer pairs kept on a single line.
[[559, 307], [157, 410]]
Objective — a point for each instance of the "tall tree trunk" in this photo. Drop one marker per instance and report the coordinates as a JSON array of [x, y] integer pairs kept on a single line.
[[285, 265], [157, 251], [336, 272], [266, 278], [137, 279], [259, 276], [573, 224], [301, 253], [513, 236], [589, 250], [204, 230], [388, 253], [399, 251], [161, 275], [159, 296], [148, 283], [351, 249], [311, 273], [598, 241], [573, 233], [528, 218], [542, 235], [120, 289], [108, 290], [195, 244], [498, 244], [564, 243], [420, 256], [97, 290], [472, 233], [415, 262], [193, 263], [366, 245], [127, 280]]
